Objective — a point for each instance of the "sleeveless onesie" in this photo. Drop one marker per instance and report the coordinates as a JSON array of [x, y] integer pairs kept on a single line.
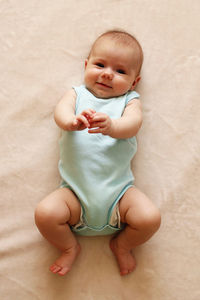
[[97, 167]]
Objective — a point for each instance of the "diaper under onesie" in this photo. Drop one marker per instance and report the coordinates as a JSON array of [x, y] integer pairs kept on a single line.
[[97, 167]]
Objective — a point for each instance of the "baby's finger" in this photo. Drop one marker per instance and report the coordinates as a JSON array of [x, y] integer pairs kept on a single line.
[[95, 130], [99, 118], [92, 110], [88, 113], [97, 124], [83, 119]]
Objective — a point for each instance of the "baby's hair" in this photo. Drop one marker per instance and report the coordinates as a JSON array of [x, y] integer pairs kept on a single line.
[[123, 38]]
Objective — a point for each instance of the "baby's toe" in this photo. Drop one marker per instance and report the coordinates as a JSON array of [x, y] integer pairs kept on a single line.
[[63, 271], [124, 272], [55, 268]]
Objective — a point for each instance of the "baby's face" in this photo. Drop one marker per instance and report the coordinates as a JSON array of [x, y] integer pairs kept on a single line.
[[110, 70]]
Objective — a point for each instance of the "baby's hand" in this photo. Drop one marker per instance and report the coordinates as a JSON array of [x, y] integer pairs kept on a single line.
[[82, 120], [101, 123]]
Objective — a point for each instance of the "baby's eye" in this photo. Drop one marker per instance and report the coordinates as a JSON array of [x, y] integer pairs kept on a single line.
[[100, 65], [121, 71]]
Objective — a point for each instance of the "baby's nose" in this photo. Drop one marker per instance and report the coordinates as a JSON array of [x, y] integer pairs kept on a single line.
[[108, 74]]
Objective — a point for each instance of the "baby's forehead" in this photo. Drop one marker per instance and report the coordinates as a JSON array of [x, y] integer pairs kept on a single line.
[[109, 47], [106, 43]]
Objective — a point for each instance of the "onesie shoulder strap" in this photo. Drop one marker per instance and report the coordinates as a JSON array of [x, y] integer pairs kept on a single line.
[[132, 95], [78, 90]]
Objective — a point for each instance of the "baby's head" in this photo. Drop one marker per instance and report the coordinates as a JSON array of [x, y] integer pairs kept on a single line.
[[113, 65]]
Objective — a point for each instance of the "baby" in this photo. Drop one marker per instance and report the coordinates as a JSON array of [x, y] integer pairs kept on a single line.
[[99, 122]]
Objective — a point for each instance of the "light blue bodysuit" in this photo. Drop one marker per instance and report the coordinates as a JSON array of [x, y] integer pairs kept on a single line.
[[97, 167]]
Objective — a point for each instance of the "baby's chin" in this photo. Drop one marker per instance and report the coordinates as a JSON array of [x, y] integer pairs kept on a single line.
[[102, 94]]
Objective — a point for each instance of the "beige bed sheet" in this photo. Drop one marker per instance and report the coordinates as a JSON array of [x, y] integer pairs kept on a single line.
[[43, 45]]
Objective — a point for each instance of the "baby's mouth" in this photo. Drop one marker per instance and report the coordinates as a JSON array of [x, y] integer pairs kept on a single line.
[[104, 85]]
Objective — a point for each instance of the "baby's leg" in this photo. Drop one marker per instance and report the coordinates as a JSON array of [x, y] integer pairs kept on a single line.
[[142, 220], [52, 216]]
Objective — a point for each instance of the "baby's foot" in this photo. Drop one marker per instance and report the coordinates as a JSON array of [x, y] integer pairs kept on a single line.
[[124, 257], [64, 263]]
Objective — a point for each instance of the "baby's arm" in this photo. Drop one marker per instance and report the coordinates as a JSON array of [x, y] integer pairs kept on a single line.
[[65, 117], [125, 127]]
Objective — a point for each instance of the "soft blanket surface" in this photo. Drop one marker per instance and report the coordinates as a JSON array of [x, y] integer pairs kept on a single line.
[[43, 45]]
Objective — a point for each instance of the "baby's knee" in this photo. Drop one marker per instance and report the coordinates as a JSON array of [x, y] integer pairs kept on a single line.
[[42, 214], [47, 214], [154, 219], [148, 220]]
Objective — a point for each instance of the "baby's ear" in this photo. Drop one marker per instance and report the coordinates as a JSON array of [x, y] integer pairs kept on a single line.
[[137, 79], [86, 62]]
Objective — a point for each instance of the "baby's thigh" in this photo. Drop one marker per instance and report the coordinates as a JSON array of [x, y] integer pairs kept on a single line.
[[61, 205], [136, 208]]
